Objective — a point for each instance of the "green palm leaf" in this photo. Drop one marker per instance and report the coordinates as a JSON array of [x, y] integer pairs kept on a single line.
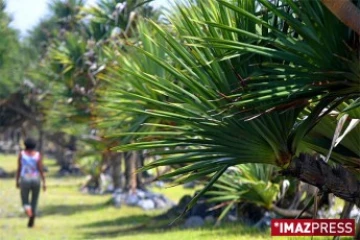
[[233, 84]]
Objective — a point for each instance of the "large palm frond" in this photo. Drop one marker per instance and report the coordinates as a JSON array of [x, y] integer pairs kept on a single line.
[[250, 183], [229, 62]]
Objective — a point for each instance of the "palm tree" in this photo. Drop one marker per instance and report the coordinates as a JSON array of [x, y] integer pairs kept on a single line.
[[12, 55], [67, 14], [77, 57], [18, 94], [109, 20], [244, 82]]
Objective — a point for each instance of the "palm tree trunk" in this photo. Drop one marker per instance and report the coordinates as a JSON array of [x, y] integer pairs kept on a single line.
[[357, 233], [132, 178], [115, 161], [346, 12], [139, 164], [338, 180], [41, 138], [346, 210], [130, 168]]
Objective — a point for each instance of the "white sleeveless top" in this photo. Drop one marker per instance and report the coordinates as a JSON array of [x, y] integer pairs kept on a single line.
[[29, 166]]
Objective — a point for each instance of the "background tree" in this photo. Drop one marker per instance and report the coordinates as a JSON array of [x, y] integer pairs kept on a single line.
[[18, 93], [73, 58]]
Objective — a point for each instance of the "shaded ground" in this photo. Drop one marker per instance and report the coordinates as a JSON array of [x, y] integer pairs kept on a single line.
[[65, 213]]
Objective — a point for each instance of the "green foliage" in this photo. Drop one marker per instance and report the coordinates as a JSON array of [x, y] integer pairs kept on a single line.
[[111, 19], [224, 83], [75, 58], [13, 56], [347, 151], [71, 43], [233, 84], [251, 183], [67, 13], [42, 34]]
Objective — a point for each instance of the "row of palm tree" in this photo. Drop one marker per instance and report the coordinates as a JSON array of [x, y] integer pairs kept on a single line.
[[269, 84], [68, 54], [72, 57]]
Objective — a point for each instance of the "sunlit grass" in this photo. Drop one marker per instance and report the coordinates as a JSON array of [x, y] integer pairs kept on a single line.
[[65, 213]]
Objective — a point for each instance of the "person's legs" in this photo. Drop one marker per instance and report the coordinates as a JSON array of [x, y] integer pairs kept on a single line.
[[25, 186], [35, 192]]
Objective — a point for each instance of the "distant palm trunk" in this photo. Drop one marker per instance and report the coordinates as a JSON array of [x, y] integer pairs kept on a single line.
[[115, 161], [41, 139], [132, 163]]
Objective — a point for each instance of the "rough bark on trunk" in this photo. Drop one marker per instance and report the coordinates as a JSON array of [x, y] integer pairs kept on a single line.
[[130, 167], [139, 164], [132, 178], [337, 180]]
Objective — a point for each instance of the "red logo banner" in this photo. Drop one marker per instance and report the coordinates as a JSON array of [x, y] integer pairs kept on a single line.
[[312, 227]]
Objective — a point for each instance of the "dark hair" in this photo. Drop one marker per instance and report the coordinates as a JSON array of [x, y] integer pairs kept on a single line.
[[30, 144]]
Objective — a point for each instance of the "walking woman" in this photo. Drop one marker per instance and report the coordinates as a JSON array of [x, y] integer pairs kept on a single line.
[[29, 172]]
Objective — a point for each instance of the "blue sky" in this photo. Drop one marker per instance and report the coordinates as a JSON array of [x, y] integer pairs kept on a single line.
[[27, 13]]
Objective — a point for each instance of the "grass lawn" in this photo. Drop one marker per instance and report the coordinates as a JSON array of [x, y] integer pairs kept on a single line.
[[65, 213]]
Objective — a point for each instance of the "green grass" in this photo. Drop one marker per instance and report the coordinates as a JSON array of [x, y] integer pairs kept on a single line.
[[65, 213]]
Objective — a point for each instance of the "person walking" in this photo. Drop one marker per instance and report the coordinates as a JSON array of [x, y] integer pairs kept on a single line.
[[29, 172]]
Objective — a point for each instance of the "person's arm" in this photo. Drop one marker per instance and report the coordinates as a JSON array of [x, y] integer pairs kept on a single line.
[[41, 170], [18, 171]]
